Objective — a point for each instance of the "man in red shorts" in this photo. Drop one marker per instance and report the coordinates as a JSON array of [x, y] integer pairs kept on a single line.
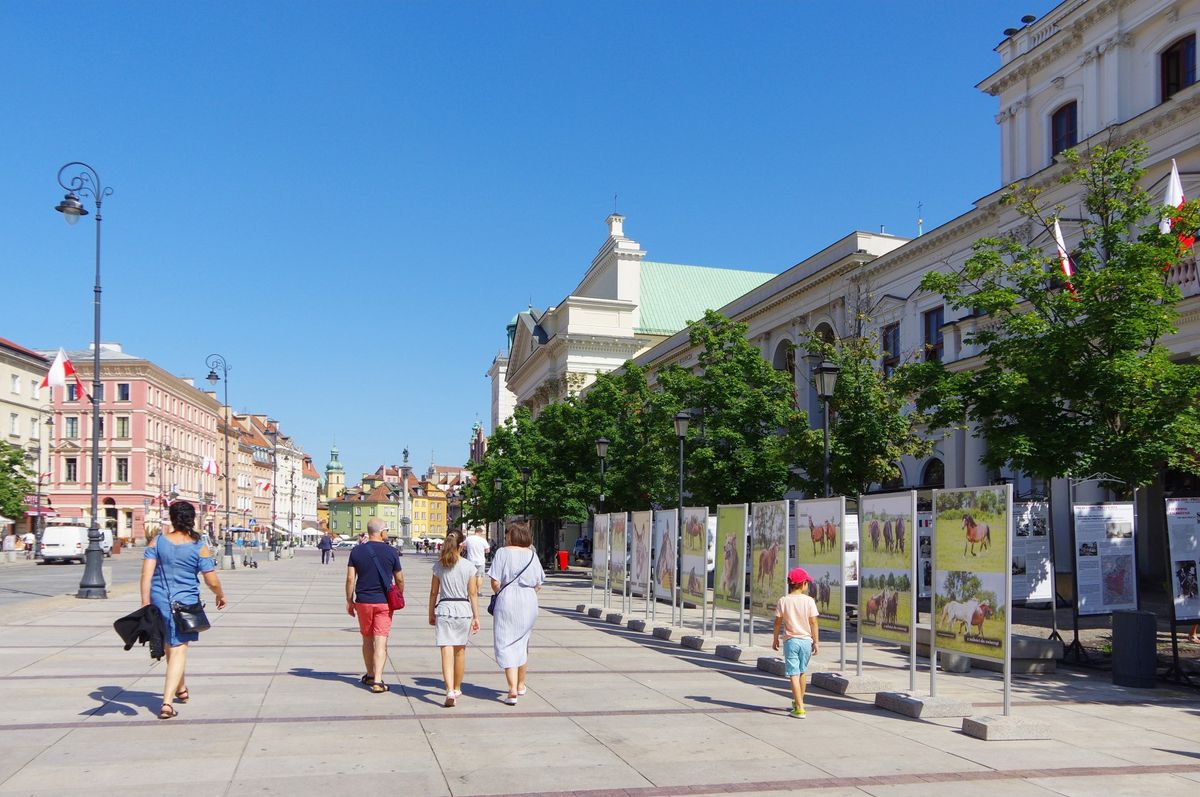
[[367, 585]]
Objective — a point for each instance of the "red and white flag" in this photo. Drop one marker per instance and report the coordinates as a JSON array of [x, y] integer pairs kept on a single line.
[[264, 486], [1175, 199], [1064, 259], [60, 369], [211, 467]]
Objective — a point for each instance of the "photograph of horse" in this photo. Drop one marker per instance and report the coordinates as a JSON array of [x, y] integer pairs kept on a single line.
[[664, 563], [971, 528], [969, 612], [977, 533], [731, 573], [639, 565]]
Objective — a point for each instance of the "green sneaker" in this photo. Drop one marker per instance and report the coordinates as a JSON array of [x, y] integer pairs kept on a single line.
[[797, 712]]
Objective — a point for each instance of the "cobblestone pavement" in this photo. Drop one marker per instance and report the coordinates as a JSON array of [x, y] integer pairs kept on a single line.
[[276, 709]]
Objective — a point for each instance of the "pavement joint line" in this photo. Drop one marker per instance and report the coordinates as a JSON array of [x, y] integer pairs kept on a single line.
[[807, 784]]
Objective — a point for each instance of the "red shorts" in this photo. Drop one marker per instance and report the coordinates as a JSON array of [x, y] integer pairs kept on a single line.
[[374, 619]]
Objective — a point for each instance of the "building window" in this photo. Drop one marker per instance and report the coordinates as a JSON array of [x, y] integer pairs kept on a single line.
[[122, 427], [122, 391], [99, 470], [358, 525], [102, 427], [71, 431], [14, 423], [1064, 128], [72, 392], [35, 428], [933, 334], [99, 392], [1177, 66], [16, 383], [890, 342], [934, 474], [122, 469], [334, 525], [72, 469]]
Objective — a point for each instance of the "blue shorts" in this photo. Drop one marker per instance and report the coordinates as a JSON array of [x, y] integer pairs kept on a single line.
[[796, 653]]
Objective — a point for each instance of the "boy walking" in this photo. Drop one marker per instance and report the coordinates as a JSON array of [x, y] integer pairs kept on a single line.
[[796, 614]]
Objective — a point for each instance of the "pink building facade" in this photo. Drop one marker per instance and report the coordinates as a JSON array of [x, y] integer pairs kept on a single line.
[[158, 431]]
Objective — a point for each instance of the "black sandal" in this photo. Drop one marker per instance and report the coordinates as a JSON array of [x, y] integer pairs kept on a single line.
[[182, 695], [366, 680], [166, 712]]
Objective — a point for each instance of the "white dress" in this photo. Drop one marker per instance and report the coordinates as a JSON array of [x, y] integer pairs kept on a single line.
[[516, 605]]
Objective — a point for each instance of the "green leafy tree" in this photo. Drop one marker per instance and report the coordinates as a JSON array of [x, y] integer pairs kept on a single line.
[[1073, 377], [563, 479], [748, 430], [640, 470], [15, 483], [871, 425]]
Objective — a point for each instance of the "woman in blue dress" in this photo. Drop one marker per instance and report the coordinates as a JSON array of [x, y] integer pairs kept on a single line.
[[169, 574]]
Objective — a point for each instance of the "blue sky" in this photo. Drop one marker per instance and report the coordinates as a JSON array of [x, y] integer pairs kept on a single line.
[[349, 200]]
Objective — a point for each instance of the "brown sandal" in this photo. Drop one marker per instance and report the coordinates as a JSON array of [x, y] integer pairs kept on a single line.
[[182, 695], [378, 687], [166, 712]]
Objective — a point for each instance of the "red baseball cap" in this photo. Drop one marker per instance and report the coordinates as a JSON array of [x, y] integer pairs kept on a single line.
[[798, 575]]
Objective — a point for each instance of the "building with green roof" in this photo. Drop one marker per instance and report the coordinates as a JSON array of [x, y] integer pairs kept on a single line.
[[623, 305]]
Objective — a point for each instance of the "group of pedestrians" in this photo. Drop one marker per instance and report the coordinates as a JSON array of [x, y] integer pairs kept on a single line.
[[516, 576]]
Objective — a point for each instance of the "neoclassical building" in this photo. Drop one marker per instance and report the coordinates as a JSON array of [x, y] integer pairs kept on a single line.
[[625, 304], [1087, 73]]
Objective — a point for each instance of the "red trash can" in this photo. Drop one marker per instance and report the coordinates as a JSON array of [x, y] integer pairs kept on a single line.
[[562, 560]]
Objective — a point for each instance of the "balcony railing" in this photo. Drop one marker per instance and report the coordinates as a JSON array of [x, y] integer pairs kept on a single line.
[[1184, 274]]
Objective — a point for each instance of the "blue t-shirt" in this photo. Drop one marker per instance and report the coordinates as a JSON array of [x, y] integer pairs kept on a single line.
[[367, 587]]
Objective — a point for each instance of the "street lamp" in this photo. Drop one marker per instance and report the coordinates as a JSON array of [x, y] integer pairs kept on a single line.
[[498, 487], [525, 492], [825, 377], [273, 431], [214, 362], [682, 418], [87, 183], [602, 453]]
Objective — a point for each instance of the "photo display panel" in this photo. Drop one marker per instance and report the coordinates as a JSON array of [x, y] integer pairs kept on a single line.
[[820, 549], [887, 561]]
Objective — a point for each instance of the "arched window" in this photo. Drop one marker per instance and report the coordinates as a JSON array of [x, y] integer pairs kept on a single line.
[[896, 482], [934, 474], [785, 360], [1177, 66], [1064, 128]]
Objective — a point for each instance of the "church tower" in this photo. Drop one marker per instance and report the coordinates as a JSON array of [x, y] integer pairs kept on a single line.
[[335, 476]]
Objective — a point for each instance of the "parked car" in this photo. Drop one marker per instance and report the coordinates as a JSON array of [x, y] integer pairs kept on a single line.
[[69, 543]]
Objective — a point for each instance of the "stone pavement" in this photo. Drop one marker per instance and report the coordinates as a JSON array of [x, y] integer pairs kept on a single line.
[[276, 709]]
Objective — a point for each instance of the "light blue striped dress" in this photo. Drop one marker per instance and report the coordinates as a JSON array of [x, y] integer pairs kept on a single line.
[[517, 604]]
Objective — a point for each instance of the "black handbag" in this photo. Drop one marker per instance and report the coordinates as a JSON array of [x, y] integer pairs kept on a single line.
[[496, 594], [189, 617]]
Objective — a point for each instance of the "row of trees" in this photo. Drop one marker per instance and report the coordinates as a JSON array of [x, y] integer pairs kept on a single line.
[[1072, 378]]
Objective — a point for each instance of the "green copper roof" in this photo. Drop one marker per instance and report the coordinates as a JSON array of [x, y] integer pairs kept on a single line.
[[673, 295]]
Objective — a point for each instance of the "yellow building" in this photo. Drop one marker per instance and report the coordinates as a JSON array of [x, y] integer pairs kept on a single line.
[[428, 510]]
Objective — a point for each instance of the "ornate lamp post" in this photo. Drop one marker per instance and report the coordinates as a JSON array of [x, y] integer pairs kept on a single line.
[[602, 453], [87, 183], [682, 418], [214, 362], [825, 377], [273, 431], [498, 486]]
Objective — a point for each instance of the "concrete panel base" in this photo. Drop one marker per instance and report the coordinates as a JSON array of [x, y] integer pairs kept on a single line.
[[1004, 729], [595, 611], [845, 684], [921, 706], [581, 607], [953, 662], [664, 631], [636, 625], [731, 652], [616, 618], [693, 642], [771, 664]]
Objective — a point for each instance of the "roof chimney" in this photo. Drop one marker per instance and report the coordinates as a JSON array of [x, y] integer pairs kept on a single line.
[[616, 226]]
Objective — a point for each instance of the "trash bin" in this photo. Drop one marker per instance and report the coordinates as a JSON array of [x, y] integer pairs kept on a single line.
[[562, 560], [1135, 654]]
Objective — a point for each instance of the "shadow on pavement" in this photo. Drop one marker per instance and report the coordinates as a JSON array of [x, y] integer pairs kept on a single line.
[[118, 700]]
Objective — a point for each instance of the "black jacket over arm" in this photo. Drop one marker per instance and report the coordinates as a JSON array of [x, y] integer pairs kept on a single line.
[[144, 625]]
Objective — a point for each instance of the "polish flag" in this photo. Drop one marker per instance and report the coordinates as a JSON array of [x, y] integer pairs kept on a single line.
[[211, 467], [60, 369], [1064, 259], [264, 485], [1175, 199]]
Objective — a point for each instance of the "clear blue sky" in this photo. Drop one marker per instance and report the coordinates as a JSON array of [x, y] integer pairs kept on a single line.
[[349, 200]]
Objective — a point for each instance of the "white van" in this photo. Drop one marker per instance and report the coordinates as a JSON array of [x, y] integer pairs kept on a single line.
[[67, 543]]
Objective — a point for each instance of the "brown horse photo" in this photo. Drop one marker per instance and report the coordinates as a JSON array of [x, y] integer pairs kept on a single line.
[[817, 533], [977, 534], [766, 563]]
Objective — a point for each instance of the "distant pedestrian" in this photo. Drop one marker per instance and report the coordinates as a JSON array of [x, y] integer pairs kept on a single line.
[[30, 541], [363, 537], [516, 576], [796, 616], [325, 546], [170, 568], [453, 612], [9, 544], [370, 573], [475, 550]]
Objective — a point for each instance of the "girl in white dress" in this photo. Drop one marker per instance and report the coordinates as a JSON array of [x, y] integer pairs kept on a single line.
[[453, 612], [516, 576]]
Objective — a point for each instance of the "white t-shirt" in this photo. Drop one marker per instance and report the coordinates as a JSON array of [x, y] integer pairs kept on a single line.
[[476, 547]]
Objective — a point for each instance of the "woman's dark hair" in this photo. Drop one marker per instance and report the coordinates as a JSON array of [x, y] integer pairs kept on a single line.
[[183, 518], [518, 534]]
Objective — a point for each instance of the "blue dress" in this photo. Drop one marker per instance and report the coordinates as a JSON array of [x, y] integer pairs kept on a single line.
[[176, 579]]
